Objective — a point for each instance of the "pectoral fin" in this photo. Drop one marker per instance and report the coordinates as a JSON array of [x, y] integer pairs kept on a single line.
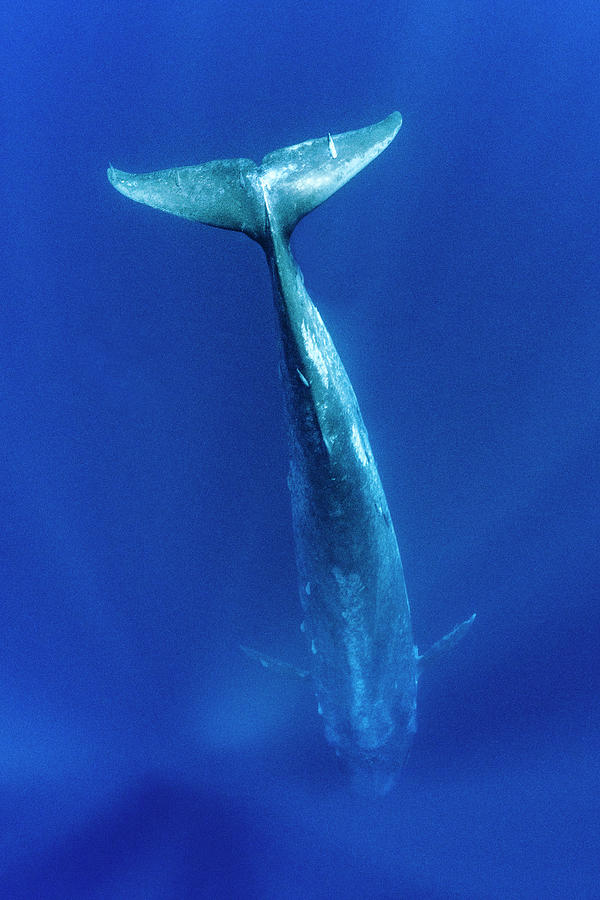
[[448, 642], [269, 662]]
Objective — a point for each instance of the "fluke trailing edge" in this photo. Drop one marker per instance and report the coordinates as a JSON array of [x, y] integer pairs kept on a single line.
[[363, 662]]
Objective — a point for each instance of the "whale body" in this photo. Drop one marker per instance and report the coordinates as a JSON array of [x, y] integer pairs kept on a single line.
[[362, 658]]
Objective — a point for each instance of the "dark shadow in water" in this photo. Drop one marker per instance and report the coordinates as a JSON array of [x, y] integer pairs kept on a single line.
[[158, 841], [168, 841]]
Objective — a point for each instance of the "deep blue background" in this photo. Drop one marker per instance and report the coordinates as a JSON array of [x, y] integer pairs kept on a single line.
[[144, 521]]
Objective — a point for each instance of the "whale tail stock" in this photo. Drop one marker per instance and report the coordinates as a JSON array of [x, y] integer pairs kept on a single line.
[[239, 195]]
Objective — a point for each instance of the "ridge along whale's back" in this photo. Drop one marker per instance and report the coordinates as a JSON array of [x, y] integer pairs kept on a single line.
[[238, 195]]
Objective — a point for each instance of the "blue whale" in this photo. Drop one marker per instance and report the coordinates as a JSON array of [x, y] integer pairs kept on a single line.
[[363, 661]]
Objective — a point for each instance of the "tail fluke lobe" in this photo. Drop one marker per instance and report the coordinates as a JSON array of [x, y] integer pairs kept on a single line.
[[222, 193], [299, 178], [241, 196]]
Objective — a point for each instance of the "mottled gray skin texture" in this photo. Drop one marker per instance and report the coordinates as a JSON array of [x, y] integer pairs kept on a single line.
[[363, 662], [356, 612]]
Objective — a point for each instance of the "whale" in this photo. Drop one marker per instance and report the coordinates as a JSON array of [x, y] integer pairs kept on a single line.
[[361, 656]]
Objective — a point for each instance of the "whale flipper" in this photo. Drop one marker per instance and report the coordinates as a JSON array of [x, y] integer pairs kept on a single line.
[[278, 665], [445, 644], [239, 195]]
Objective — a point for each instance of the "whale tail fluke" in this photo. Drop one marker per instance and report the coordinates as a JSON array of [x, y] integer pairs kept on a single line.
[[241, 196]]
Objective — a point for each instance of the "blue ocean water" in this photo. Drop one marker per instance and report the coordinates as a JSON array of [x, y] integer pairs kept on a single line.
[[145, 529]]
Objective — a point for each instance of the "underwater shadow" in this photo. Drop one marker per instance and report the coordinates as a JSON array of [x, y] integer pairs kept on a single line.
[[158, 840]]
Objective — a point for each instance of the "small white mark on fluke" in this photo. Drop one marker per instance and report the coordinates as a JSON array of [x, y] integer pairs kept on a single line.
[[332, 147]]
